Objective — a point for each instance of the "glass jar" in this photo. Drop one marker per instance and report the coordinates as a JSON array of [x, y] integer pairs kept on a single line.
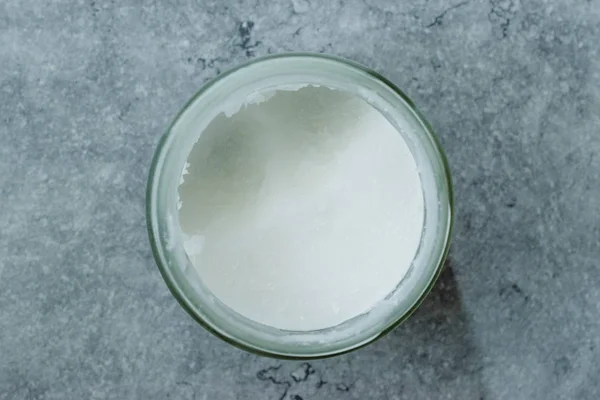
[[272, 72]]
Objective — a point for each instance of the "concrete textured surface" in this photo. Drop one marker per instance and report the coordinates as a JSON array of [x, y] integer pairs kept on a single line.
[[511, 86]]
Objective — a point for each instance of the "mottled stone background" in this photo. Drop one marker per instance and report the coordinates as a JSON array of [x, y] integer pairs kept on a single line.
[[86, 90]]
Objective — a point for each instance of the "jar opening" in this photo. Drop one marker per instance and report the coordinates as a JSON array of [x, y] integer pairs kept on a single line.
[[264, 79]]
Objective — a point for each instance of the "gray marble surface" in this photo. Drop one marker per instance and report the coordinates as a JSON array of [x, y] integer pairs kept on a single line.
[[86, 90]]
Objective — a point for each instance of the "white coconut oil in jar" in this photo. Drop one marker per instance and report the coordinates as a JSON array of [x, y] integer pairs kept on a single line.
[[299, 206]]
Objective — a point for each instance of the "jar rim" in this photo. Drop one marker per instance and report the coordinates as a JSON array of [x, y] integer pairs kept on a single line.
[[160, 250]]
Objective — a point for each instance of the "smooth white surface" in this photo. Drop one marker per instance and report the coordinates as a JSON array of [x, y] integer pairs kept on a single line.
[[301, 211]]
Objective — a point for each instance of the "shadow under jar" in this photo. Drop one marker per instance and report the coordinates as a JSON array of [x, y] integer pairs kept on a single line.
[[299, 206]]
